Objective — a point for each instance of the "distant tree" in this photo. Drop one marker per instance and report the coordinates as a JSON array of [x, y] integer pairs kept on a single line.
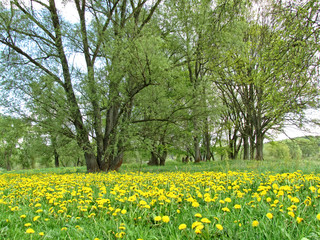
[[12, 131]]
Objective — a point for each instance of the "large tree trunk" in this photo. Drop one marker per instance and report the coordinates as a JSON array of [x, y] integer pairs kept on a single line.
[[91, 162], [153, 160], [163, 157]]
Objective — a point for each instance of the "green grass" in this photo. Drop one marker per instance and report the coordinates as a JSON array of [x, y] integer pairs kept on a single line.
[[276, 166]]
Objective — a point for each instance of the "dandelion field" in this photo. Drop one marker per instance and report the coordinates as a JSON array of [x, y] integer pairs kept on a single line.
[[168, 205]]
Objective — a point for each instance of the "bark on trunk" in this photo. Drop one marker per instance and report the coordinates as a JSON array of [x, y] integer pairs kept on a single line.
[[163, 158], [153, 160], [7, 160], [197, 155], [56, 158], [91, 162], [246, 150], [259, 147]]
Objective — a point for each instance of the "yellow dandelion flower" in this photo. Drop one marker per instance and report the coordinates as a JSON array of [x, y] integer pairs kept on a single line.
[[237, 206], [255, 223], [27, 225], [299, 219], [196, 224], [41, 233], [182, 226], [30, 231], [269, 215], [157, 218], [225, 209], [198, 215], [205, 220], [219, 226], [165, 219], [123, 211], [23, 216], [291, 214], [36, 218], [195, 204], [318, 216], [227, 200]]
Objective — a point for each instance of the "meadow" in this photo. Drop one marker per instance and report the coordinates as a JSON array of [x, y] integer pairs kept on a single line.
[[240, 200]]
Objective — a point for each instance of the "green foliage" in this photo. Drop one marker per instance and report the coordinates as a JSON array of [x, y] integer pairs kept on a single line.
[[277, 150]]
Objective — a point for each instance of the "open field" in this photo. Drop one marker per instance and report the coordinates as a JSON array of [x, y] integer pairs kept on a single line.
[[204, 201]]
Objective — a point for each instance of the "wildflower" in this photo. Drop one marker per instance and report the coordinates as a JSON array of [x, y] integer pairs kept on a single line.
[[195, 204], [227, 200], [269, 215], [205, 220], [198, 215], [237, 206], [30, 231], [64, 229], [255, 223], [27, 225], [299, 219], [178, 211], [36, 218], [291, 214], [182, 226], [318, 216], [165, 219], [219, 226], [23, 216], [196, 224], [157, 218], [123, 211], [41, 233], [197, 231], [225, 209], [295, 200]]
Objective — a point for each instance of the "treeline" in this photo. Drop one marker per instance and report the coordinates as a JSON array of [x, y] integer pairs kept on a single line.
[[195, 77], [300, 148]]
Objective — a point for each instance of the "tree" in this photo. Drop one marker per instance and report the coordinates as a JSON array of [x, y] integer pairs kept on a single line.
[[12, 131], [269, 76], [97, 100]]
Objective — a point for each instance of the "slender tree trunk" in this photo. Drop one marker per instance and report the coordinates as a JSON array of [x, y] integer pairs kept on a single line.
[[259, 147], [197, 155], [7, 160], [246, 148], [56, 158]]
